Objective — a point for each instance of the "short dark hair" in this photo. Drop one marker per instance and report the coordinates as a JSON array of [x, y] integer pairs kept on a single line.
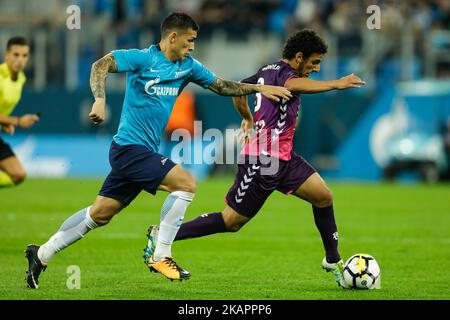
[[306, 41], [179, 21], [18, 40]]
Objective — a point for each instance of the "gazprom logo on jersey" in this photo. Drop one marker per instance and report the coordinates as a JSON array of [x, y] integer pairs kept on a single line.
[[151, 89]]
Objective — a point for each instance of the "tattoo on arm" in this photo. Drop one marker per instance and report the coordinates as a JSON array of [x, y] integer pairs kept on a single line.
[[99, 72], [232, 88]]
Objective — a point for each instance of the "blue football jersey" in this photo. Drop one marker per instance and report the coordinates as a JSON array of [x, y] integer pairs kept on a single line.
[[153, 83]]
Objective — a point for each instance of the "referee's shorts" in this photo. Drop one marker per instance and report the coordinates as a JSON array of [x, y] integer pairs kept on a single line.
[[5, 150]]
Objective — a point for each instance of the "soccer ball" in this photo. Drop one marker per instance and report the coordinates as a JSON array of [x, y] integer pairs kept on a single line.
[[361, 271]]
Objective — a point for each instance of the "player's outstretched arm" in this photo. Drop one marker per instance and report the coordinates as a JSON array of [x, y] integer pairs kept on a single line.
[[99, 71], [305, 85], [9, 123], [233, 88], [7, 120], [241, 105]]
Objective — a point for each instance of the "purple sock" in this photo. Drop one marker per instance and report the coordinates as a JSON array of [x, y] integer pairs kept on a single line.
[[203, 225], [324, 219]]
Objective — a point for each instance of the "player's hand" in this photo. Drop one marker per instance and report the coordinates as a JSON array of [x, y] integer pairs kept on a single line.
[[8, 128], [27, 121], [246, 131], [350, 81], [97, 114], [275, 93]]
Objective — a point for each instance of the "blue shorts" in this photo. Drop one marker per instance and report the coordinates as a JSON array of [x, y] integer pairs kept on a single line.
[[134, 168]]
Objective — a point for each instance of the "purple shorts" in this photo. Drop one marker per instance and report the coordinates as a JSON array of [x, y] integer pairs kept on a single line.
[[258, 177]]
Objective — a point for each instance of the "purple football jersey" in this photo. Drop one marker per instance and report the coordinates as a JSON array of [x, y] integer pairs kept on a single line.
[[275, 122]]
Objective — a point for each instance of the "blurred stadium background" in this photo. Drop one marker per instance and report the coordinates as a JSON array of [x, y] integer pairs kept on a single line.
[[397, 126]]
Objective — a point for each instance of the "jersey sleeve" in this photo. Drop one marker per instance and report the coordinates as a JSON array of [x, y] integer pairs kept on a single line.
[[202, 75], [251, 80], [285, 76], [131, 59]]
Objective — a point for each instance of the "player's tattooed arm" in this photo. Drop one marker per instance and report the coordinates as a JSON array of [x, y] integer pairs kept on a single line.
[[233, 88], [99, 71]]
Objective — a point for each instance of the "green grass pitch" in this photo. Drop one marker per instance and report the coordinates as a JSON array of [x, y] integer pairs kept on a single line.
[[275, 256]]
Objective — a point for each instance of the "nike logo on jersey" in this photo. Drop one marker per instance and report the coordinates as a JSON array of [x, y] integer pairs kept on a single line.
[[152, 70], [163, 161]]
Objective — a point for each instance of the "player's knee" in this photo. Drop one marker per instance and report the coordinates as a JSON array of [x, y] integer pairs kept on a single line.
[[324, 198], [188, 184], [101, 216], [190, 187], [101, 220], [233, 220], [232, 224], [235, 227], [18, 177]]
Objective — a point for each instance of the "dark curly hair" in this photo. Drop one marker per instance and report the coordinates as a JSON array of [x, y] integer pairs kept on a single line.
[[306, 41]]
